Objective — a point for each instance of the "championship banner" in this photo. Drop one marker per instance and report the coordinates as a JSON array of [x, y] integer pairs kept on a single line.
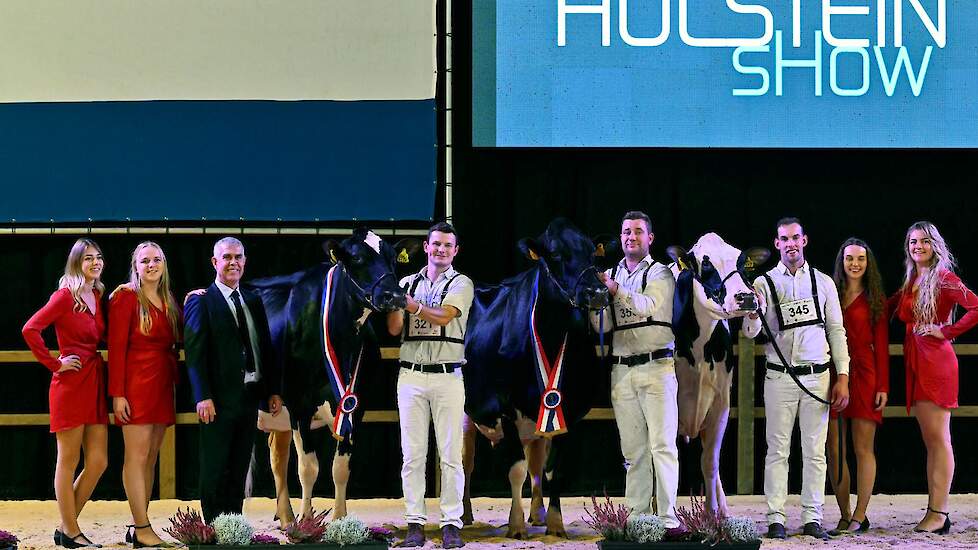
[[154, 109]]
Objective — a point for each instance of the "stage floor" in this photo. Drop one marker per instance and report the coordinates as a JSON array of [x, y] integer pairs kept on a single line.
[[892, 518]]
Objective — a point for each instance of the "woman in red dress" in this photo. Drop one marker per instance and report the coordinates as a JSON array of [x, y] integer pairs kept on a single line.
[[857, 276], [144, 324], [76, 398], [926, 303]]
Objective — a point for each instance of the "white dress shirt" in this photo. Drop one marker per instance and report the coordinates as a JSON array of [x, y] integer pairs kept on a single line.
[[226, 291], [807, 345], [655, 302]]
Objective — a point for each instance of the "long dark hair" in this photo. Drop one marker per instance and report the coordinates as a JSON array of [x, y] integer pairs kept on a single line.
[[872, 280]]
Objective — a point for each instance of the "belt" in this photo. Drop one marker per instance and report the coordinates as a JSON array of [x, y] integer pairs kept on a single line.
[[640, 359], [445, 368], [799, 371]]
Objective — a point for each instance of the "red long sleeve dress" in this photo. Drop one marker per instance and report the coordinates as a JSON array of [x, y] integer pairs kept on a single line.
[[932, 366], [75, 398], [142, 367], [869, 367]]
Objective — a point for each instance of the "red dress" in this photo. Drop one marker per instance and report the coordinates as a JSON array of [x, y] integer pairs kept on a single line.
[[75, 398], [869, 366], [932, 367], [142, 367]]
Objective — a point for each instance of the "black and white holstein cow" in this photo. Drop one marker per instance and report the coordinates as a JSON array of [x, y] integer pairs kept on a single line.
[[712, 286], [530, 355], [317, 319]]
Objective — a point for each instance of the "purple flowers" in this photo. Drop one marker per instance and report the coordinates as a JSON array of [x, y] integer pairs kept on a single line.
[[261, 538], [189, 528], [8, 540], [309, 529], [607, 519]]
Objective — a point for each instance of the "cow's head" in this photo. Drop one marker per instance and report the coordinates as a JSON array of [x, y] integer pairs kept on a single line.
[[723, 274], [369, 261], [567, 258]]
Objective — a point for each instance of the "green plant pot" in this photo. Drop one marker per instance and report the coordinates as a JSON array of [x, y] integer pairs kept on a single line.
[[676, 545]]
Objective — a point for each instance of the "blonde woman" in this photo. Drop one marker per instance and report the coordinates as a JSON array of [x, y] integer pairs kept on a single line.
[[925, 303], [144, 327], [79, 412]]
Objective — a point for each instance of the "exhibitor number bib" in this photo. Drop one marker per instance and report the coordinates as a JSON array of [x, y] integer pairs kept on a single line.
[[796, 313]]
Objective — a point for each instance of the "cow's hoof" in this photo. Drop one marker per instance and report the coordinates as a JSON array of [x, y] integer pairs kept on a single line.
[[555, 525], [538, 516], [517, 532]]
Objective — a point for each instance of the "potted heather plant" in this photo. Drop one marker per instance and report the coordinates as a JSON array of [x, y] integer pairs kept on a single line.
[[706, 527], [232, 531], [8, 541]]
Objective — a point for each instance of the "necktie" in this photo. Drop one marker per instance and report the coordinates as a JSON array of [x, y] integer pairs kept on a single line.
[[243, 331]]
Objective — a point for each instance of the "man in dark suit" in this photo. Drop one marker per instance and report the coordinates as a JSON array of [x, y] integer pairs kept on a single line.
[[232, 373]]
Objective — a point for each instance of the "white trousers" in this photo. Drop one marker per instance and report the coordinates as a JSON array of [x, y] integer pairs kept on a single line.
[[644, 400], [421, 399], [783, 401]]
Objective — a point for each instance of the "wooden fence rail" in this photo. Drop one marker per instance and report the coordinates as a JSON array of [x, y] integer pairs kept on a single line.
[[745, 412]]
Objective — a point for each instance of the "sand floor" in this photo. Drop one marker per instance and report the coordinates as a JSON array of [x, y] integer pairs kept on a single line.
[[892, 519]]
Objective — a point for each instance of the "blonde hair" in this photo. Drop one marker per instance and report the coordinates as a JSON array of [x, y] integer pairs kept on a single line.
[[135, 285], [928, 288], [74, 279]]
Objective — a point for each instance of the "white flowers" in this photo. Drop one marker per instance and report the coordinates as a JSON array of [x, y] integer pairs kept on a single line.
[[232, 530]]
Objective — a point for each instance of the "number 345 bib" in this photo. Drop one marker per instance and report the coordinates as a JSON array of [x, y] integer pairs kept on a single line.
[[800, 312]]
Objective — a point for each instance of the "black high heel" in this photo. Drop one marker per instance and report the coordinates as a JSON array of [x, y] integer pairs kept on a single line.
[[129, 530], [942, 530], [863, 525], [136, 543], [58, 535], [72, 542]]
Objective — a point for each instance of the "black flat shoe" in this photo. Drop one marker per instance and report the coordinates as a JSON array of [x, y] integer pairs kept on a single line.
[[58, 535], [943, 529], [136, 543], [863, 525]]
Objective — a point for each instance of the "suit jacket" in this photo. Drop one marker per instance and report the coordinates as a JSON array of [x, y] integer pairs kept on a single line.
[[215, 353]]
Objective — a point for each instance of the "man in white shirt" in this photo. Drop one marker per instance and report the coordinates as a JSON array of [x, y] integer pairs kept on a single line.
[[801, 306], [643, 378], [429, 384]]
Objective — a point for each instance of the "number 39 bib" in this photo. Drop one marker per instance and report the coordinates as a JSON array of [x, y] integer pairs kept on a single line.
[[801, 312]]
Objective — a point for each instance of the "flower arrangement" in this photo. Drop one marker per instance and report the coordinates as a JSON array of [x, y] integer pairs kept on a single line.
[[190, 529], [610, 521], [232, 530], [346, 531], [645, 529], [713, 527], [8, 540], [259, 539], [381, 534], [308, 529]]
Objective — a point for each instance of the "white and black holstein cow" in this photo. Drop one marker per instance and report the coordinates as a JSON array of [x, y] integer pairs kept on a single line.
[[713, 285], [317, 319], [530, 354]]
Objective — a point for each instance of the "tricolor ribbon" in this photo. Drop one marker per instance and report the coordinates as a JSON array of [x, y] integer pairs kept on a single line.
[[550, 419], [347, 400]]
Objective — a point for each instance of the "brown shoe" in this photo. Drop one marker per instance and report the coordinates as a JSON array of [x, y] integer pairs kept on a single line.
[[451, 537], [415, 536]]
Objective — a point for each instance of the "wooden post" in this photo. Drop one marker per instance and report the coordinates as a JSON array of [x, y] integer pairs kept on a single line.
[[745, 416], [168, 464]]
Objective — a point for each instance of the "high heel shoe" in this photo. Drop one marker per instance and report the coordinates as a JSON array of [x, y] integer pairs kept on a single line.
[[136, 543], [72, 542], [129, 530], [942, 530]]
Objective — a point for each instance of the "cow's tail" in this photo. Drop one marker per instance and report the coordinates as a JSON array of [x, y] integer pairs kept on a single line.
[[250, 478]]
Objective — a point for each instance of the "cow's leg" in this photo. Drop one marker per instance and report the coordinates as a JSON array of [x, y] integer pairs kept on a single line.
[[712, 438], [556, 475], [278, 455], [341, 476], [512, 450], [308, 472], [469, 433], [536, 457]]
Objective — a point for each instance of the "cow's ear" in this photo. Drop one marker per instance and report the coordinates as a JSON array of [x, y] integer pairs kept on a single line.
[[406, 249], [683, 258], [607, 251], [335, 252], [532, 249], [751, 260]]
